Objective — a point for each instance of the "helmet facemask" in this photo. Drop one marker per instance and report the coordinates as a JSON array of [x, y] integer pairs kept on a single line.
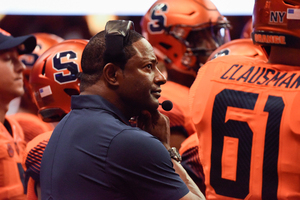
[[200, 41], [183, 33]]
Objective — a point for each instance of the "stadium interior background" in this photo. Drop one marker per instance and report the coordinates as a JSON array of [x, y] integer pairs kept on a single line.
[[71, 27]]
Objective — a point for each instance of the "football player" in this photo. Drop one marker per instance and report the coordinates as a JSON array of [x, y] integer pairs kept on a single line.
[[183, 34], [246, 112], [53, 79], [189, 147], [12, 144], [27, 113]]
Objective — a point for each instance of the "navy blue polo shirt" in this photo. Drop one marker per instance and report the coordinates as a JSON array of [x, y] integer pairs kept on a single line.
[[94, 153]]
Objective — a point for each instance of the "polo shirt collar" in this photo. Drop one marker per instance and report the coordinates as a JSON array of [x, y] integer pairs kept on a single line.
[[96, 102]]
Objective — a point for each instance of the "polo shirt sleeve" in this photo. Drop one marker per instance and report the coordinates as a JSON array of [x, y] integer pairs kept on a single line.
[[140, 166]]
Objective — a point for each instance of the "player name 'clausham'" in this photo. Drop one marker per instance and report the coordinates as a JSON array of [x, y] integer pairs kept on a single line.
[[262, 76]]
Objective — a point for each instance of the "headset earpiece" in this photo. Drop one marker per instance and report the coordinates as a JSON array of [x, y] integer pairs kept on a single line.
[[116, 34]]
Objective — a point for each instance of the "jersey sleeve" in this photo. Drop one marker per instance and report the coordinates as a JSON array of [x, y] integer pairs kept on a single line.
[[142, 163], [32, 125], [191, 160], [11, 156], [176, 117], [180, 116], [32, 162]]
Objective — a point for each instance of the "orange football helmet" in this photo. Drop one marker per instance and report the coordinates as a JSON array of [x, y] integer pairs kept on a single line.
[[276, 22], [243, 46], [185, 32], [43, 42], [54, 78]]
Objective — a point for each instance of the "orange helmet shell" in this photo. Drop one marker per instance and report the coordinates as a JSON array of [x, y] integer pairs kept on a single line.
[[243, 46], [43, 42], [276, 22], [54, 78], [168, 23]]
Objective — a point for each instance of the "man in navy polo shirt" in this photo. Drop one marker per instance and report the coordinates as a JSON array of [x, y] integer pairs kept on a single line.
[[94, 152]]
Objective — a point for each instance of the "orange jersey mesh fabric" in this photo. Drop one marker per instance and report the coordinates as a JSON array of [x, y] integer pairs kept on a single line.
[[31, 191], [180, 114], [246, 113], [189, 152], [34, 152], [32, 125], [191, 142], [12, 149]]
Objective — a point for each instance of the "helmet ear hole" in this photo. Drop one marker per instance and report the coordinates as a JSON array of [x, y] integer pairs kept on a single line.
[[71, 91], [44, 67], [291, 2], [165, 45], [52, 114]]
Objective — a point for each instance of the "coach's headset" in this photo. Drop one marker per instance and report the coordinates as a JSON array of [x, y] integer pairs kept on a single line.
[[116, 36]]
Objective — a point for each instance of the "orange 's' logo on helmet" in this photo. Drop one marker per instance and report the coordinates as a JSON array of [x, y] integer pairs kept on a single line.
[[158, 20], [54, 78]]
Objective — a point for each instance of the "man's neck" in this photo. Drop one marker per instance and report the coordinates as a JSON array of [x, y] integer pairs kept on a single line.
[[2, 116], [284, 56], [3, 110]]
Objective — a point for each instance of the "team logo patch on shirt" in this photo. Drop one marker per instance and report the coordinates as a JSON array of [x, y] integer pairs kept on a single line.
[[10, 150]]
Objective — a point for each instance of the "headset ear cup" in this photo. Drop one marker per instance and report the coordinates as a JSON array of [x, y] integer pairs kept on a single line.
[[116, 33], [114, 46]]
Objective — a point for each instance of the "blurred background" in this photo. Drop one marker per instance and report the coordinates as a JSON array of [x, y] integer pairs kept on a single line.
[[84, 18]]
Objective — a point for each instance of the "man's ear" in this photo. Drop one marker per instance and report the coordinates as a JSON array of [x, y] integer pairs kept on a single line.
[[110, 73]]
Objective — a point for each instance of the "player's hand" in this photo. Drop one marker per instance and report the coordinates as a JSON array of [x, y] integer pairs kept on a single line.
[[156, 124]]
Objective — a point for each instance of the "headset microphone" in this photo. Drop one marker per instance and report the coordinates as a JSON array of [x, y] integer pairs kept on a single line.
[[167, 105]]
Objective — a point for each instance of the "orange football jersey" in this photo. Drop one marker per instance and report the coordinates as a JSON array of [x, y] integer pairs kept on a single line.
[[246, 113], [190, 143], [180, 114], [32, 160], [12, 149], [191, 161], [32, 125]]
